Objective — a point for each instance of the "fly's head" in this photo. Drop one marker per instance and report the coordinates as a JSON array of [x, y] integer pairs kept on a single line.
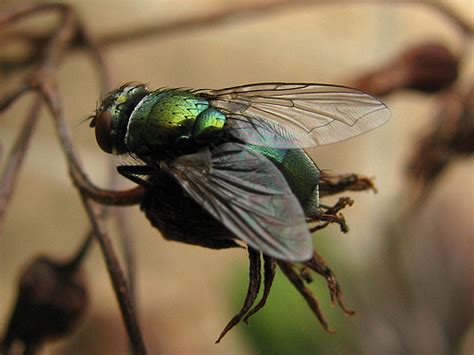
[[111, 118]]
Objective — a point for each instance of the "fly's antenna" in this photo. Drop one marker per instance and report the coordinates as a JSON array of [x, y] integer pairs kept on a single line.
[[91, 118]]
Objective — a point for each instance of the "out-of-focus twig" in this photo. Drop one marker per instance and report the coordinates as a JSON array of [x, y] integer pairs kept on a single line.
[[8, 98], [16, 157], [244, 11], [450, 135], [116, 273], [446, 10], [117, 276], [43, 80]]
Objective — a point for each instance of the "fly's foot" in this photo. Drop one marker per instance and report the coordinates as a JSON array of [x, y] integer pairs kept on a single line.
[[333, 184], [269, 275], [252, 292], [330, 214], [318, 265], [299, 275], [299, 283]]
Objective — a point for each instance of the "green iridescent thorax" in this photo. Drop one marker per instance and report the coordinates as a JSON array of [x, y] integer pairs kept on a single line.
[[300, 172], [164, 118]]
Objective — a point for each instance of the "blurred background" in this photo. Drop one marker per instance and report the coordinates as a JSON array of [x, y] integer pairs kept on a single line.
[[406, 268]]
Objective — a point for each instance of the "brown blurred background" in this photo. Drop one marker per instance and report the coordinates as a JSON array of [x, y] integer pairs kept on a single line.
[[187, 294]]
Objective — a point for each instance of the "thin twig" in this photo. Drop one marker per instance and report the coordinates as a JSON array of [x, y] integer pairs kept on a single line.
[[240, 12], [14, 95], [96, 52], [117, 277], [20, 11], [16, 157], [43, 81], [116, 273], [448, 12], [128, 249], [80, 254]]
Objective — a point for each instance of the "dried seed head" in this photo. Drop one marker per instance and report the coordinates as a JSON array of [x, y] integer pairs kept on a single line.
[[428, 67], [51, 299], [450, 135]]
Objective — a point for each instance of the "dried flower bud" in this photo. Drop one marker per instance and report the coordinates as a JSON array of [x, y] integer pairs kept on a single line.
[[51, 299], [451, 134], [428, 67]]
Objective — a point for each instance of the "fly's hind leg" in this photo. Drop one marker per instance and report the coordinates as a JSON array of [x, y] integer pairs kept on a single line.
[[330, 184], [330, 214], [323, 214]]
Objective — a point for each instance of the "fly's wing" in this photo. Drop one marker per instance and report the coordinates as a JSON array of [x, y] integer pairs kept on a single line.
[[289, 115], [248, 194]]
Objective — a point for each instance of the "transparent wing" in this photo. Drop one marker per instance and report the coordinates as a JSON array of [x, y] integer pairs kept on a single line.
[[249, 195], [285, 115]]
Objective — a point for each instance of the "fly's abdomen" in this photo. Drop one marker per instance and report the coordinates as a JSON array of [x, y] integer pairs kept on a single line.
[[300, 172], [163, 118]]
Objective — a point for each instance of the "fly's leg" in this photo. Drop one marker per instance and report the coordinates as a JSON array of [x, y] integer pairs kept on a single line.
[[43, 81], [318, 264], [328, 185], [252, 292], [136, 173], [333, 184], [330, 214], [298, 282], [269, 275]]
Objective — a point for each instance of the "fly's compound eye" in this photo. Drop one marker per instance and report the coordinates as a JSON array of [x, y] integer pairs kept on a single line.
[[103, 126]]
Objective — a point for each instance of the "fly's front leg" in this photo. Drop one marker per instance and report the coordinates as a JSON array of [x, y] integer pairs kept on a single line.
[[136, 173]]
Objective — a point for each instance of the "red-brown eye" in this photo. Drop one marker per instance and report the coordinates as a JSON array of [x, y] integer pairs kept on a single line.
[[103, 126]]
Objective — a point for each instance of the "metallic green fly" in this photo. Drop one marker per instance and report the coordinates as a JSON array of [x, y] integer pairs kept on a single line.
[[226, 165]]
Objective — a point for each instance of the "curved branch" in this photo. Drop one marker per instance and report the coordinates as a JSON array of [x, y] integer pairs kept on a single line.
[[194, 22]]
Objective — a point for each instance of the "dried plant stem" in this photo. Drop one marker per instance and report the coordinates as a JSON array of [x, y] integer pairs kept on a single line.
[[18, 12], [117, 277], [447, 11], [128, 248], [78, 257], [207, 19], [116, 273], [43, 81], [16, 157], [13, 95]]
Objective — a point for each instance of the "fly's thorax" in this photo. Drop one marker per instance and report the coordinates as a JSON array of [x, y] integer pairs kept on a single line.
[[168, 118]]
